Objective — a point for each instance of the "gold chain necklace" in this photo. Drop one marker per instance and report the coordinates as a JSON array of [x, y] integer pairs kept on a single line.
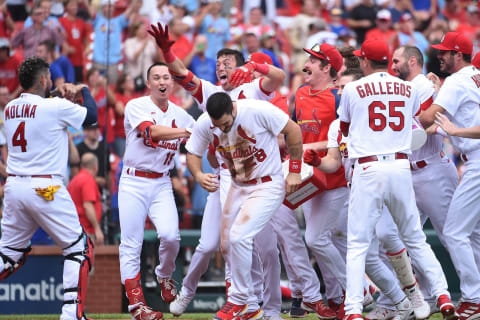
[[314, 94]]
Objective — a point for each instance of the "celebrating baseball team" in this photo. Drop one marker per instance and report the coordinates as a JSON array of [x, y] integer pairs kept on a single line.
[[370, 136]]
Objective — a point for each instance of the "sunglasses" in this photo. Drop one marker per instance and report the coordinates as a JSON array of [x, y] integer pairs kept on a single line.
[[316, 49]]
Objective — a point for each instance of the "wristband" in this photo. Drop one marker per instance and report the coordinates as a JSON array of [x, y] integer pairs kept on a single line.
[[262, 68], [295, 166]]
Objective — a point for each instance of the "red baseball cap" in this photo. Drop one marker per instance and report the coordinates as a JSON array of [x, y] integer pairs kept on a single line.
[[454, 41], [374, 49], [476, 61], [328, 53], [260, 57]]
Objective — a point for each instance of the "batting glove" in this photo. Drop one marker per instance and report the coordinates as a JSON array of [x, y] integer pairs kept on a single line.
[[312, 158], [163, 41], [243, 74]]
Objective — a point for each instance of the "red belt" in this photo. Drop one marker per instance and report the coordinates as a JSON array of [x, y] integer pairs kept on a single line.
[[146, 174], [48, 176], [258, 180], [419, 165], [398, 156], [464, 157]]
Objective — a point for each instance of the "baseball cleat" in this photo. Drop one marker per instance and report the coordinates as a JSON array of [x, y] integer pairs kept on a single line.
[[446, 308], [404, 310], [468, 311], [319, 307], [179, 305], [420, 306], [296, 310], [333, 306], [257, 314], [143, 312], [380, 313], [352, 316], [169, 291], [433, 308], [230, 311]]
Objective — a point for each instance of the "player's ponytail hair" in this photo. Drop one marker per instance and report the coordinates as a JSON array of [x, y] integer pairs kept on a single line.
[[30, 71], [219, 104]]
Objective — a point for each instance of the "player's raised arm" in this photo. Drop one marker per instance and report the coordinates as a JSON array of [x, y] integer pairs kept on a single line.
[[181, 74], [72, 92], [443, 122], [272, 76], [295, 148]]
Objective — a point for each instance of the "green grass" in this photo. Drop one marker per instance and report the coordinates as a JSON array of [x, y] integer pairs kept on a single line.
[[187, 316]]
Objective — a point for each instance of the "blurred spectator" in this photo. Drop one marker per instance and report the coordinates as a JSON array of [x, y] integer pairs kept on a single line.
[[384, 30], [400, 7], [17, 9], [437, 29], [189, 5], [182, 46], [362, 18], [336, 21], [86, 197], [9, 69], [298, 32], [61, 69], [198, 195], [57, 9], [188, 22], [269, 7], [93, 144], [105, 99], [76, 40], [140, 52], [255, 25], [162, 13], [472, 26], [408, 36], [30, 37], [124, 92], [215, 27], [252, 44], [6, 22], [319, 33], [424, 11], [454, 13], [50, 21], [201, 65], [107, 43]]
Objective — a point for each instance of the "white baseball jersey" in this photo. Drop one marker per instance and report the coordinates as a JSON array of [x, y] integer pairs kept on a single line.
[[337, 140], [434, 143], [250, 149], [36, 130], [137, 154], [459, 96], [250, 90], [382, 107]]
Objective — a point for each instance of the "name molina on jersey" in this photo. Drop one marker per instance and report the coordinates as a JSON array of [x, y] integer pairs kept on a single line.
[[381, 88], [20, 111]]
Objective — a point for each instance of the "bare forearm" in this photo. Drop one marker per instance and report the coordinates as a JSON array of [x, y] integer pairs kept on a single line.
[[472, 133], [166, 133], [294, 140], [317, 146], [194, 164], [273, 79], [91, 214], [329, 164]]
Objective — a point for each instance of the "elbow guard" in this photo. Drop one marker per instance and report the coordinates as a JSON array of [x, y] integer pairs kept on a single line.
[[185, 81]]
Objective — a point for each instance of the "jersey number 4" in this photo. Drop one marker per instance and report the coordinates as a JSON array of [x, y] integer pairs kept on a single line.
[[378, 122], [18, 139]]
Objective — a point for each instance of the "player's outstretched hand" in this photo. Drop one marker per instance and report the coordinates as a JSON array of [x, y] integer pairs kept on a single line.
[[312, 157], [443, 122], [208, 181], [435, 79], [161, 37], [292, 182], [243, 74]]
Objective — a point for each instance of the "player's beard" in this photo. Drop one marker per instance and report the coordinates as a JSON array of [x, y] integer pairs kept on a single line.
[[403, 72]]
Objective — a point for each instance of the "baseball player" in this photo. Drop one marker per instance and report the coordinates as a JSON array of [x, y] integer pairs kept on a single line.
[[245, 133], [154, 128], [379, 273], [315, 109], [35, 196], [376, 114], [458, 99], [434, 176], [261, 89]]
